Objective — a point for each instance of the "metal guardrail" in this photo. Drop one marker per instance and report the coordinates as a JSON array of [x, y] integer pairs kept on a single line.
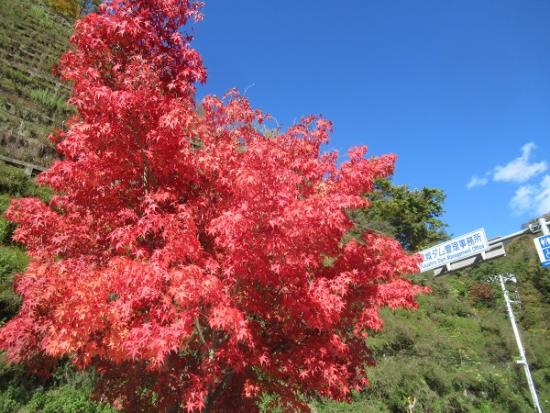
[[30, 168]]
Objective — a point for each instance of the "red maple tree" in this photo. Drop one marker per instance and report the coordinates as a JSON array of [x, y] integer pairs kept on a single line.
[[193, 261]]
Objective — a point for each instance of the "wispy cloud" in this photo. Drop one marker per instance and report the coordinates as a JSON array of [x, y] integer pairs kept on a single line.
[[476, 181], [521, 202], [532, 198], [520, 169], [543, 198]]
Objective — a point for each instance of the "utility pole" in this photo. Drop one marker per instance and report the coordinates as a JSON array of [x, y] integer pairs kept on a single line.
[[523, 359]]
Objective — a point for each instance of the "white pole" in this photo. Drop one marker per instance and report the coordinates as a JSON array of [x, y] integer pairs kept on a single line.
[[544, 226], [523, 358]]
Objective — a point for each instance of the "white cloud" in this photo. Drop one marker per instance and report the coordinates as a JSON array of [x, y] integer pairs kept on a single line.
[[532, 198], [521, 202], [519, 169], [543, 197], [476, 181]]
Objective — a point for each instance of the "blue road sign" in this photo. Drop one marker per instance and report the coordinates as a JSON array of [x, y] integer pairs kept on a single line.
[[542, 244]]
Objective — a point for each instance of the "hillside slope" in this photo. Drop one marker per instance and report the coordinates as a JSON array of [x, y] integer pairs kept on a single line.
[[32, 99]]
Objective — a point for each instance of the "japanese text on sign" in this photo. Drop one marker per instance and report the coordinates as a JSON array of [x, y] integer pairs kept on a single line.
[[462, 247], [543, 248]]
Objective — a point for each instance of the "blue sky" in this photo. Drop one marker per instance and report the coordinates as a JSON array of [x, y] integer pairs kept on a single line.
[[459, 90]]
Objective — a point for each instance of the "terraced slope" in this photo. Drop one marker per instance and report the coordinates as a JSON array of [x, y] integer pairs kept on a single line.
[[32, 99]]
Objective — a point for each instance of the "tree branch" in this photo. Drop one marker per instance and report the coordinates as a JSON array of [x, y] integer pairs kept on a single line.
[[216, 393]]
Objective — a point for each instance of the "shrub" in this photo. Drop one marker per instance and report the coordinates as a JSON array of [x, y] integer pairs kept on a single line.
[[13, 181], [482, 294], [6, 230], [12, 261]]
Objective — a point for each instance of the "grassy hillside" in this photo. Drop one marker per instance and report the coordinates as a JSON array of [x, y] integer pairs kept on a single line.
[[32, 100]]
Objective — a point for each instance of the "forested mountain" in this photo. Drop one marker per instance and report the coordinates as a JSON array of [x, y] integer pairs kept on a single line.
[[456, 353]]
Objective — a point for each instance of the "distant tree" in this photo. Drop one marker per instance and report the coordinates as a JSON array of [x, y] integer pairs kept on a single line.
[[74, 8], [410, 216], [194, 262]]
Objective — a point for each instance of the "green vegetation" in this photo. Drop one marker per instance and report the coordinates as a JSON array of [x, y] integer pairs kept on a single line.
[[49, 99], [65, 391], [38, 14]]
